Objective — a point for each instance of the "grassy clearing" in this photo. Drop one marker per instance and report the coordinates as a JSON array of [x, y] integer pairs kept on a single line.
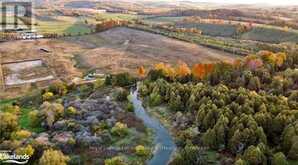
[[6, 102], [63, 24], [78, 28], [24, 119]]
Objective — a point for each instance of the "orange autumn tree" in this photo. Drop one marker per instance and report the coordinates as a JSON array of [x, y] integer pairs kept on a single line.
[[182, 69], [237, 63], [141, 71], [199, 71]]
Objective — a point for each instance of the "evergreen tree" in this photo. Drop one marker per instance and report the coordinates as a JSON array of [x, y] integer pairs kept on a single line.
[[254, 156], [279, 159]]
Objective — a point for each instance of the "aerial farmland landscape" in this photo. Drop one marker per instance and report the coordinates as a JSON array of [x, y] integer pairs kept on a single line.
[[149, 82]]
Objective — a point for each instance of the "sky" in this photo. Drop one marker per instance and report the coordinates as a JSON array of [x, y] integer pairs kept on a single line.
[[271, 2]]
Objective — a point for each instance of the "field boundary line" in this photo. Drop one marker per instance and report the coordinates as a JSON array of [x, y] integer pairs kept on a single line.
[[2, 85], [20, 61]]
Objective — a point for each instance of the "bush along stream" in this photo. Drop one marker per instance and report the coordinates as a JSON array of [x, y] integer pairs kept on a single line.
[[164, 144]]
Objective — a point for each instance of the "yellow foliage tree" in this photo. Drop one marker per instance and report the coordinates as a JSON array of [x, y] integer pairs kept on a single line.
[[47, 96], [29, 150], [117, 160], [141, 150], [166, 69], [21, 134], [169, 71], [159, 66], [273, 58], [53, 157]]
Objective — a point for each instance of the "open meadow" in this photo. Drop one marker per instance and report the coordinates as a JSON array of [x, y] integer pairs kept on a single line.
[[113, 51]]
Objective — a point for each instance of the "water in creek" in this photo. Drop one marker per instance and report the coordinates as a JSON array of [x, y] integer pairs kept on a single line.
[[164, 144]]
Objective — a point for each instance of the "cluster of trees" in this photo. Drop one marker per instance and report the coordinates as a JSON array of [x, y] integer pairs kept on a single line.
[[108, 24], [12, 136], [179, 30], [248, 108], [121, 80], [46, 108], [273, 73], [198, 19], [181, 72], [189, 155], [232, 119], [243, 28]]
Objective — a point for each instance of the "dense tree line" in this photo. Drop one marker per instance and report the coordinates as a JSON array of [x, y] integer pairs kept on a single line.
[[248, 108], [108, 24]]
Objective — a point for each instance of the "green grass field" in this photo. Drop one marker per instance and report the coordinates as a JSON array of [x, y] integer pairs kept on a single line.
[[24, 121], [75, 25], [64, 25]]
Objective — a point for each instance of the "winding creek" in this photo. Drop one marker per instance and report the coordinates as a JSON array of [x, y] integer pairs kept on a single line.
[[164, 144]]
